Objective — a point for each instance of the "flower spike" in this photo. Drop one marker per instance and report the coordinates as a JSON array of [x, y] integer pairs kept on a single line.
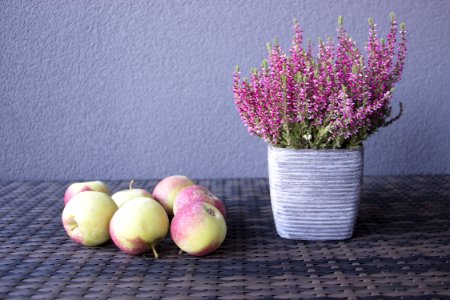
[[335, 99]]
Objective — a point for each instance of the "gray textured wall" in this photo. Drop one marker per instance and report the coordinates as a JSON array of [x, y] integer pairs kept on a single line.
[[143, 89]]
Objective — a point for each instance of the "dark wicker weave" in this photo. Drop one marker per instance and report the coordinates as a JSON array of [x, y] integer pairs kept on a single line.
[[401, 248]]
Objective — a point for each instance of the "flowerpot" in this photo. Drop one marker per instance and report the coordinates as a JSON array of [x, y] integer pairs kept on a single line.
[[315, 194]]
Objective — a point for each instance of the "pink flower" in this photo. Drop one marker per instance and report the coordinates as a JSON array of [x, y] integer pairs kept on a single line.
[[334, 100]]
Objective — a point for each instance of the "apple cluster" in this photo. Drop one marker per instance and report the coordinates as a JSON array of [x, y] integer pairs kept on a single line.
[[137, 220]]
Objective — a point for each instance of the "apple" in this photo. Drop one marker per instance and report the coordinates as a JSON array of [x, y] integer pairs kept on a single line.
[[124, 196], [78, 187], [139, 225], [167, 190], [197, 193], [198, 229], [86, 217]]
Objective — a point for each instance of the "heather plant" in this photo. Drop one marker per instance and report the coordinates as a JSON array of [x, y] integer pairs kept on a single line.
[[331, 100]]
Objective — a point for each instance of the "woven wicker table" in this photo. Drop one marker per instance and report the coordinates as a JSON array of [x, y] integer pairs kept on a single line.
[[401, 248]]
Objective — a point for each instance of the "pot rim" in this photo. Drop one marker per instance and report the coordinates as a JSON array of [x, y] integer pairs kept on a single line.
[[273, 148]]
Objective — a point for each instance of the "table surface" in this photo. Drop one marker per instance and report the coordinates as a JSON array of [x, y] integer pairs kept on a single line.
[[400, 248]]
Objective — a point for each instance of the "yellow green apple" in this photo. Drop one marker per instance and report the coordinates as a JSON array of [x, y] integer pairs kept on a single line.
[[124, 196], [139, 225], [86, 217], [79, 187], [198, 229], [197, 193], [167, 190]]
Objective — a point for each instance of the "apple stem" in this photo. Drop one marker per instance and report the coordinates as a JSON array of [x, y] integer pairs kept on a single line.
[[74, 227], [131, 184], [154, 251], [180, 252]]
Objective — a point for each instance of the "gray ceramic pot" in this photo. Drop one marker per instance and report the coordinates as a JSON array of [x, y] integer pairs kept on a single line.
[[315, 193]]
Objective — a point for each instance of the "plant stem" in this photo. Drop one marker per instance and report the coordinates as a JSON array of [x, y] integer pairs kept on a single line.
[[154, 251], [131, 184]]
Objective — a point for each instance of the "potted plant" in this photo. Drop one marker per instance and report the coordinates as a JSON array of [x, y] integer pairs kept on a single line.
[[315, 111]]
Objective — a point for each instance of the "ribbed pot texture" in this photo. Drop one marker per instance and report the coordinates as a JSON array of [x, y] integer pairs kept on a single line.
[[315, 194]]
